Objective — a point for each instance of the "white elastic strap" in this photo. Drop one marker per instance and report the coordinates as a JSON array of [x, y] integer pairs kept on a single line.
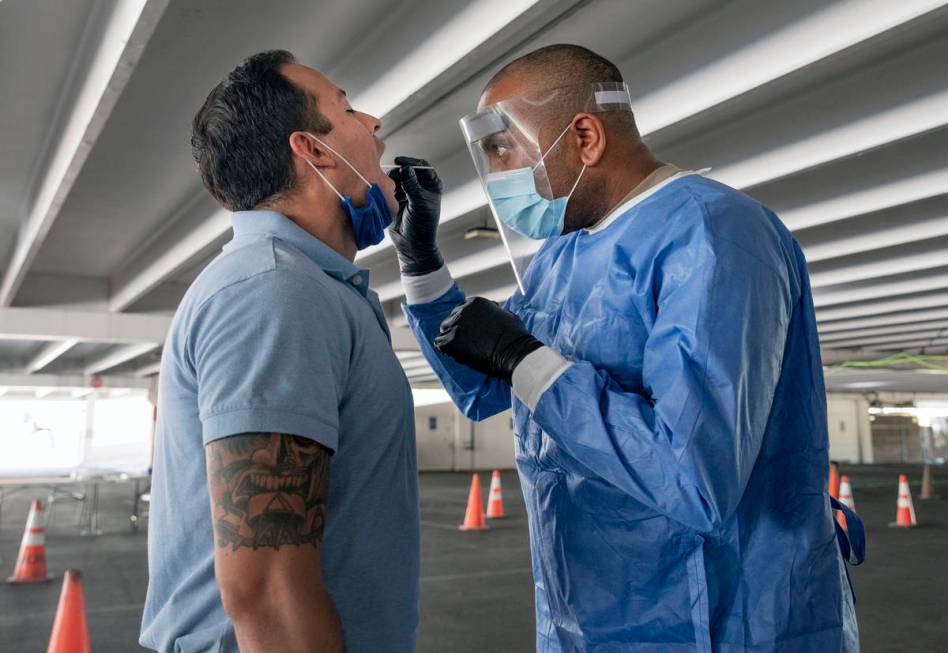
[[536, 373], [577, 182], [543, 156], [329, 147], [328, 183]]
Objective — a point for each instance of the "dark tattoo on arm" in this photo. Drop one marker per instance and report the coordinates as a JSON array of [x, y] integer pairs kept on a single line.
[[268, 490]]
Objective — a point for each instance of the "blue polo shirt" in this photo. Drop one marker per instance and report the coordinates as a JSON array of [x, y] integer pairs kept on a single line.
[[281, 334]]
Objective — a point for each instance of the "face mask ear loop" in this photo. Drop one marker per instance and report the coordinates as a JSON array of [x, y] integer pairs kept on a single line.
[[550, 148], [321, 142], [316, 170], [577, 182]]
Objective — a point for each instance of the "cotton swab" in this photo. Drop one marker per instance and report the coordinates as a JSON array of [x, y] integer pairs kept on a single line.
[[388, 165]]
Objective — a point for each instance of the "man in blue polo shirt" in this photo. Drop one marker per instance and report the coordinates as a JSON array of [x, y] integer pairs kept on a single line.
[[284, 497]]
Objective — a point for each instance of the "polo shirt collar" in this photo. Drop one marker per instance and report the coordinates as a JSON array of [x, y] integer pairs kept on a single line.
[[277, 225]]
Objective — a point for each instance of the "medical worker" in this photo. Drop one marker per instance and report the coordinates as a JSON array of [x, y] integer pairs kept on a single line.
[[663, 365]]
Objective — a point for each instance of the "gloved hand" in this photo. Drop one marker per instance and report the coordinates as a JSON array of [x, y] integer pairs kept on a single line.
[[486, 337], [414, 230]]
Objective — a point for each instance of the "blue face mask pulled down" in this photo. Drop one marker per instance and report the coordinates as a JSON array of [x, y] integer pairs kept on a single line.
[[514, 196], [369, 221]]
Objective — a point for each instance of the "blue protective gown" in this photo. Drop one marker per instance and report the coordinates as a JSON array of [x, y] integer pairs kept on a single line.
[[675, 474]]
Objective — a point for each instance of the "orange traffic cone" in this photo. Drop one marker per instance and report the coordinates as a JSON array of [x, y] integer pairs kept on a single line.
[[495, 500], [845, 498], [833, 487], [905, 511], [474, 516], [31, 562], [70, 632]]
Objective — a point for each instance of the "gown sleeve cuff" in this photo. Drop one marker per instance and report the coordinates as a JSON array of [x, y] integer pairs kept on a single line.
[[426, 288], [536, 373]]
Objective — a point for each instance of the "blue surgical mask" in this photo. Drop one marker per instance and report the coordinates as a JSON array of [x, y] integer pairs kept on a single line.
[[519, 206], [368, 222]]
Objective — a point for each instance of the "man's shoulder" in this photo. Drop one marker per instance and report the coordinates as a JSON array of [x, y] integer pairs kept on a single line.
[[260, 268]]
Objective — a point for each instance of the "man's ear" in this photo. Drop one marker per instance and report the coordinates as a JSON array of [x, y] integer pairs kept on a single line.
[[590, 135], [309, 149]]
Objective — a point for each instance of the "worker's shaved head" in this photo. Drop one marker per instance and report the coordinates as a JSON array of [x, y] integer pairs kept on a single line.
[[558, 65]]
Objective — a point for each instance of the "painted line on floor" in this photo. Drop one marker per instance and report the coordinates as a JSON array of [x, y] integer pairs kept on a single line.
[[477, 574]]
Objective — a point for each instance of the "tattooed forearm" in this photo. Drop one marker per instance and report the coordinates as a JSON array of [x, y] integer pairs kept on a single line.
[[268, 490]]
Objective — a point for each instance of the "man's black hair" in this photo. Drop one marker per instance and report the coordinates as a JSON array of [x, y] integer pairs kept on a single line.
[[240, 136]]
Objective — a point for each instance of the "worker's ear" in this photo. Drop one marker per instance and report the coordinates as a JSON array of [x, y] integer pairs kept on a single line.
[[590, 135], [309, 149]]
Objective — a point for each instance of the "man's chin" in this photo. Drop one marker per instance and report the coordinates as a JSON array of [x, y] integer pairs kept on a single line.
[[388, 190]]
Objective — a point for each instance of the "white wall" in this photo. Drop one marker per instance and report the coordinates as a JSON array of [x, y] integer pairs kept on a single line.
[[850, 438], [435, 445], [445, 444], [494, 443]]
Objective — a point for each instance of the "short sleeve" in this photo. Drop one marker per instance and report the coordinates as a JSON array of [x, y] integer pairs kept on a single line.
[[270, 355]]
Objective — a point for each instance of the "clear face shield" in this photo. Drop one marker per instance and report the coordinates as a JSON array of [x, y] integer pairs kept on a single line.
[[510, 142]]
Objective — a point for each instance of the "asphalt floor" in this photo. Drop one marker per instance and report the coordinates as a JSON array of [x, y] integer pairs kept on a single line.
[[476, 589]]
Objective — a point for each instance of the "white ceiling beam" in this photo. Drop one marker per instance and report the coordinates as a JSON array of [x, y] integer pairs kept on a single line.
[[457, 49], [784, 51], [883, 266], [884, 320], [868, 309], [129, 29], [85, 326], [896, 234], [118, 356], [881, 196], [911, 119], [882, 341], [416, 365], [148, 370], [414, 374], [823, 298], [170, 253], [901, 329], [48, 354]]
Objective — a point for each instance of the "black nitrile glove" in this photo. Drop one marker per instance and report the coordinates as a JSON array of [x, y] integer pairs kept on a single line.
[[486, 337], [414, 230]]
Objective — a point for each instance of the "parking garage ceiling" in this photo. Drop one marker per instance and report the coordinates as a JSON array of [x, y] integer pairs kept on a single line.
[[835, 114]]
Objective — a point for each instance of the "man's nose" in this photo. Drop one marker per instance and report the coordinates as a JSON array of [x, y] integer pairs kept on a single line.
[[373, 123]]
